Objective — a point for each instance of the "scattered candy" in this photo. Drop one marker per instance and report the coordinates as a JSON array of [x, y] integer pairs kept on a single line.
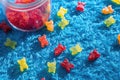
[[93, 55], [43, 41], [118, 38], [49, 25], [23, 64], [116, 1], [109, 21], [10, 43], [80, 6], [42, 78], [76, 49], [107, 10], [67, 65], [51, 67], [58, 50], [5, 27], [62, 12], [64, 22]]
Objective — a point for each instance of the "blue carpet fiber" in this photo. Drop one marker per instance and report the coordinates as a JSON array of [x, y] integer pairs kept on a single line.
[[85, 28]]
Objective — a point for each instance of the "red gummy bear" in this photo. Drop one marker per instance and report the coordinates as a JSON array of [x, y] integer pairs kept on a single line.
[[80, 6], [58, 50], [93, 55], [5, 27], [43, 41], [42, 78], [67, 65]]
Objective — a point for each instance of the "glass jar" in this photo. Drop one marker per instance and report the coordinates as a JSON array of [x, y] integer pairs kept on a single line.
[[27, 16]]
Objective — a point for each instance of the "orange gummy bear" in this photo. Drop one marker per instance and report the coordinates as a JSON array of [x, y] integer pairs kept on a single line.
[[118, 38], [43, 41], [107, 10], [49, 25]]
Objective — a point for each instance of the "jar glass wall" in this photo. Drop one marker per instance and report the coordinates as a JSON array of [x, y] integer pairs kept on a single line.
[[27, 16]]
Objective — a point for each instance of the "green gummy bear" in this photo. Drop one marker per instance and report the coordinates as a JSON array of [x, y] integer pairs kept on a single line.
[[75, 49], [109, 21], [10, 43], [64, 22]]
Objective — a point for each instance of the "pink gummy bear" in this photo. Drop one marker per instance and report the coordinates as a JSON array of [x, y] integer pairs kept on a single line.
[[80, 6]]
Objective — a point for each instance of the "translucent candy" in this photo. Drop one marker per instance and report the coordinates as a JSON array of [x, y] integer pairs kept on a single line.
[[116, 1], [51, 67], [50, 25], [109, 21], [76, 49], [10, 43], [59, 49], [118, 38], [64, 22], [42, 78], [23, 64], [43, 41], [67, 65], [80, 6], [93, 55], [107, 10], [62, 12]]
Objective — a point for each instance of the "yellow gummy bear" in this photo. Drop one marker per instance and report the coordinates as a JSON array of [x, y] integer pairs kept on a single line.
[[75, 49], [51, 67], [23, 64], [116, 1], [64, 22], [62, 12], [10, 43], [49, 25], [109, 21]]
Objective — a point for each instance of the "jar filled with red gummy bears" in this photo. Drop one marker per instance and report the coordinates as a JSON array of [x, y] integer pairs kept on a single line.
[[27, 15]]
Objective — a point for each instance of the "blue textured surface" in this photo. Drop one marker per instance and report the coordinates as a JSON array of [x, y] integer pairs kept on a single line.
[[86, 28]]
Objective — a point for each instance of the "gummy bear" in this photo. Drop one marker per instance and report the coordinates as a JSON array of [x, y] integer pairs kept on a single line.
[[43, 41], [64, 22], [5, 27], [23, 64], [42, 78], [49, 25], [51, 67], [24, 1], [58, 50], [118, 38], [10, 43], [80, 6], [116, 1], [67, 65], [107, 10], [62, 12], [93, 55], [109, 21], [76, 49]]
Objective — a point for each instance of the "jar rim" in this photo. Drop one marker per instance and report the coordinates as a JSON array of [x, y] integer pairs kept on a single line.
[[28, 6]]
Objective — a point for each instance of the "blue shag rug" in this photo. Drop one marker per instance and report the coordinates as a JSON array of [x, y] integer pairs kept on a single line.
[[86, 28]]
